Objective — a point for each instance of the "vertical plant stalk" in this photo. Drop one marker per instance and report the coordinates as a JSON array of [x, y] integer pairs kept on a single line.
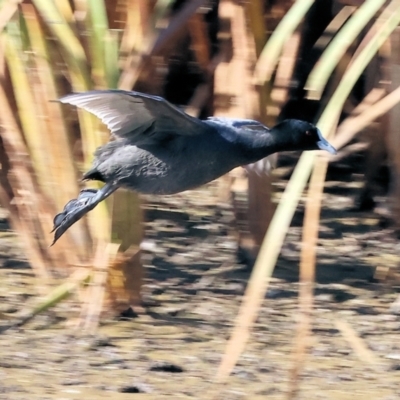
[[70, 45], [233, 79], [269, 56], [284, 73], [157, 44], [338, 46], [27, 106], [56, 132], [125, 280], [7, 11], [21, 179], [334, 26], [307, 270], [200, 43], [354, 124], [91, 310], [308, 254], [255, 12], [357, 344], [49, 129], [382, 28], [272, 244], [264, 266], [111, 55], [259, 192], [393, 144], [134, 42], [30, 113], [75, 58], [97, 25]]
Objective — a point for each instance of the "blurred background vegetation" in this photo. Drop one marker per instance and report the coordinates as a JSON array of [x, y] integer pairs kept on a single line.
[[333, 62]]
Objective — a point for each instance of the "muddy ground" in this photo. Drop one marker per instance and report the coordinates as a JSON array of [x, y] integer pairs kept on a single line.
[[193, 289]]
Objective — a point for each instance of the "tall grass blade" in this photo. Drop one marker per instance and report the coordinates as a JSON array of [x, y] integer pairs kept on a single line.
[[356, 342], [255, 11], [55, 132], [70, 45], [64, 7], [160, 44], [310, 237], [270, 54], [352, 125], [96, 292], [274, 238], [382, 28], [75, 58], [111, 56], [60, 293], [338, 46], [265, 264], [98, 27], [307, 270], [27, 107], [7, 11], [334, 26], [23, 185]]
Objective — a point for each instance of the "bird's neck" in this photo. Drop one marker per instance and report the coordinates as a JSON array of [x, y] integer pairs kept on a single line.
[[257, 145], [249, 145]]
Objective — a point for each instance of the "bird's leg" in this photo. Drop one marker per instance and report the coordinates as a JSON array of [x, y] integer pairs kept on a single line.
[[75, 209]]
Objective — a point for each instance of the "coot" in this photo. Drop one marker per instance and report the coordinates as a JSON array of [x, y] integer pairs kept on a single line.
[[158, 149]]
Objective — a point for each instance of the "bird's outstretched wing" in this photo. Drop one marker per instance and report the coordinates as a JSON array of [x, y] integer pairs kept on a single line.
[[136, 116]]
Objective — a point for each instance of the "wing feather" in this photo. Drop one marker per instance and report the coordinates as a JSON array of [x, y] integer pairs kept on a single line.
[[136, 116]]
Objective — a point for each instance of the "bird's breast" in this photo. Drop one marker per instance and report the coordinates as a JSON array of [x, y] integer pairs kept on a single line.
[[174, 167]]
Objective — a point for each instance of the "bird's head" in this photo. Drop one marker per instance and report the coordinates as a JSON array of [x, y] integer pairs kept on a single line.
[[294, 134]]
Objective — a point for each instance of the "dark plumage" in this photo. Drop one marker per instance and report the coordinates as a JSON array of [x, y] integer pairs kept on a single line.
[[159, 149]]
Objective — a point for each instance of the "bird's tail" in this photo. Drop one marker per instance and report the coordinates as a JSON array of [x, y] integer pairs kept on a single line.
[[75, 209]]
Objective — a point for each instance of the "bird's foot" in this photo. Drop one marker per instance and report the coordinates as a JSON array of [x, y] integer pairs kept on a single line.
[[75, 209]]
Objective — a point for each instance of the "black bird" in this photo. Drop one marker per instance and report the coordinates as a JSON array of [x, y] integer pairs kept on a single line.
[[158, 149]]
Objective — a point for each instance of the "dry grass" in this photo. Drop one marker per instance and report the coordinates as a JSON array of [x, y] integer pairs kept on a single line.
[[94, 45]]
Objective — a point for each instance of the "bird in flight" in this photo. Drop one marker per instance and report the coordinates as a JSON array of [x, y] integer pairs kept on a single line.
[[159, 149]]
